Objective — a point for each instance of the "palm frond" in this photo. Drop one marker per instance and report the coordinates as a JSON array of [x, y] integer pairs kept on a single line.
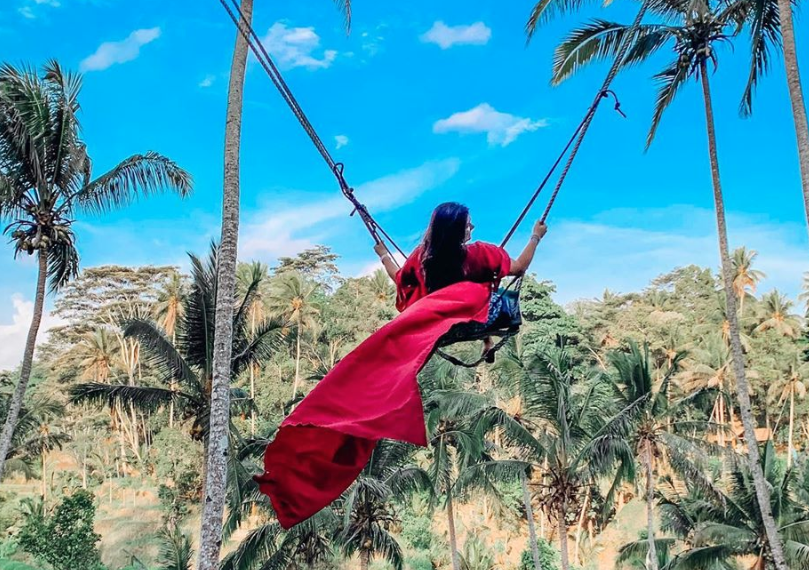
[[764, 23], [63, 260], [670, 81], [632, 552], [545, 10], [144, 175], [161, 353], [175, 550], [600, 39], [258, 546], [141, 397]]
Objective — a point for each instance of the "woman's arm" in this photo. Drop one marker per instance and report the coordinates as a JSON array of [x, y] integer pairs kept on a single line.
[[387, 260], [520, 265]]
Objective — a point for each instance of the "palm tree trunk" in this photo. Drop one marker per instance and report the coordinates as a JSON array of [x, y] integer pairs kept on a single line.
[[297, 359], [579, 526], [651, 555], [365, 559], [172, 386], [562, 526], [742, 389], [44, 478], [791, 423], [529, 514], [27, 361], [253, 381], [216, 477], [252, 400], [795, 95], [453, 544]]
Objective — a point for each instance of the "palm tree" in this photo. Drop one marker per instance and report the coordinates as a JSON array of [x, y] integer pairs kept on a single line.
[[168, 311], [745, 278], [98, 354], [185, 366], [454, 443], [46, 181], [775, 315], [642, 422], [708, 368], [292, 297], [694, 29], [720, 530], [246, 275], [568, 415], [34, 436], [369, 504], [382, 288], [719, 322], [793, 383]]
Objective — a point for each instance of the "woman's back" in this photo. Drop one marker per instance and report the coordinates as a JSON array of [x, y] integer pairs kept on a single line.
[[483, 263]]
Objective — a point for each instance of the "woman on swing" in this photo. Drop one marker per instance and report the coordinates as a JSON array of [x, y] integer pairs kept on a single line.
[[373, 393], [446, 257]]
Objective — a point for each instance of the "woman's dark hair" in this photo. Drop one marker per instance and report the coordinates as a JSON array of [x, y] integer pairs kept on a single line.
[[443, 253]]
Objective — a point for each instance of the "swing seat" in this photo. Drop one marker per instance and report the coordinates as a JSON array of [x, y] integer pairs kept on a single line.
[[504, 321]]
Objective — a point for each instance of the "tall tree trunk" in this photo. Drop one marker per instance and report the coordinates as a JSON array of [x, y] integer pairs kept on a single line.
[[796, 95], [27, 360], [529, 514], [651, 554], [791, 422], [562, 525], [172, 385], [579, 526], [252, 400], [365, 559], [453, 544], [253, 380], [297, 358], [216, 477], [742, 389], [44, 478]]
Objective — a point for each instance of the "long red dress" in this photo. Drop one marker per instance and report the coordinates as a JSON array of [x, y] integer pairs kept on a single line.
[[372, 393]]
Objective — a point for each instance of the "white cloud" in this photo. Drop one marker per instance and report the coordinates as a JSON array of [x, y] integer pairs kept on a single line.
[[610, 251], [500, 128], [13, 336], [340, 141], [297, 47], [111, 53], [207, 81], [448, 36], [27, 10], [281, 230]]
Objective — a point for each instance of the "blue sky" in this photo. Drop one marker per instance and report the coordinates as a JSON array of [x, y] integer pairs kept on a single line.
[[427, 102]]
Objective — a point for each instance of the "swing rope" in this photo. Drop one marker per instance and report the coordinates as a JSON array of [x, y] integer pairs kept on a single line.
[[337, 168]]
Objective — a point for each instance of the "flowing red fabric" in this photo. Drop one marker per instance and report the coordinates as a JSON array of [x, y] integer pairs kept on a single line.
[[372, 393]]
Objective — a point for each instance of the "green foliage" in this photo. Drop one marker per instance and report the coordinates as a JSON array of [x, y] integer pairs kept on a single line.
[[175, 549], [176, 463], [548, 557], [64, 538], [417, 531], [420, 562], [475, 555]]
